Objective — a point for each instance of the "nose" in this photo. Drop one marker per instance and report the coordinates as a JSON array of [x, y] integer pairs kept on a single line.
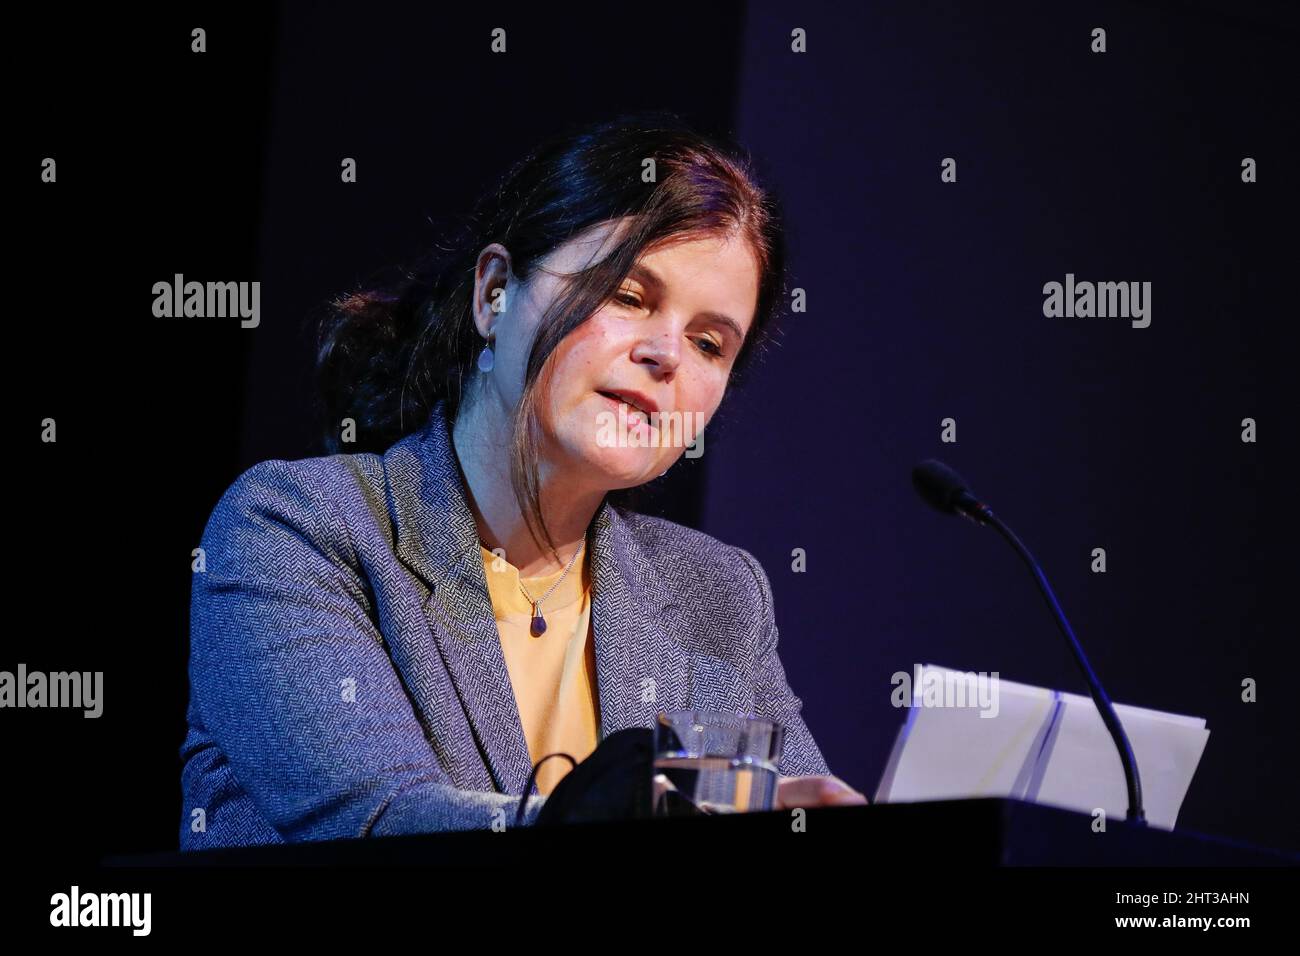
[[659, 346]]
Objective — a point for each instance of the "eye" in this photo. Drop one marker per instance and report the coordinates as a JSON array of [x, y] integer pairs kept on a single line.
[[628, 299], [712, 348]]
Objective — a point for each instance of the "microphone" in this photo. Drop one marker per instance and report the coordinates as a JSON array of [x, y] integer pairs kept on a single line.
[[946, 491]]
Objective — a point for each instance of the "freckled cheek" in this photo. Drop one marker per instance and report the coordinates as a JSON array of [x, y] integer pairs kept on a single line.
[[579, 369], [591, 352], [703, 390]]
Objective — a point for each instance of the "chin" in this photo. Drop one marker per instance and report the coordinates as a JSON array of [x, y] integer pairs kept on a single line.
[[622, 467]]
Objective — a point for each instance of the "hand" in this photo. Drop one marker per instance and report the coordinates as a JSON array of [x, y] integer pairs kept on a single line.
[[815, 791]]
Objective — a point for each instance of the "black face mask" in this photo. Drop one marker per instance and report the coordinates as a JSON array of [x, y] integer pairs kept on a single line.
[[613, 783]]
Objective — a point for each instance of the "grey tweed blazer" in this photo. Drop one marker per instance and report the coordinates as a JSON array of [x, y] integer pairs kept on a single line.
[[346, 673]]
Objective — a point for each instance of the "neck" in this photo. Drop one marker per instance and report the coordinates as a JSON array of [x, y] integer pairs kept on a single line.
[[481, 437]]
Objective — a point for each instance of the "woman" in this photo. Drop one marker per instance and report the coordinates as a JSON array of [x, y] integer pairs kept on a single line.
[[388, 640]]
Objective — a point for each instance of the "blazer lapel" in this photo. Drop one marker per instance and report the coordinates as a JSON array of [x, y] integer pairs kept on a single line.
[[639, 670]]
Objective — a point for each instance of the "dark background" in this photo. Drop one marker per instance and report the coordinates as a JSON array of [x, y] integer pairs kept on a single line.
[[924, 301]]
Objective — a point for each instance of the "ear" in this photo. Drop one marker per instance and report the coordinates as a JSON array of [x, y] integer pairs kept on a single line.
[[494, 282]]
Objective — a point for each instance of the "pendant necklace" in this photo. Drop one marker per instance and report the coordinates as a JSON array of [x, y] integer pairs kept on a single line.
[[538, 626]]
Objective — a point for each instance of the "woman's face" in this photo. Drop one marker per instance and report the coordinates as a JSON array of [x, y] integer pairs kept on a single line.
[[666, 340]]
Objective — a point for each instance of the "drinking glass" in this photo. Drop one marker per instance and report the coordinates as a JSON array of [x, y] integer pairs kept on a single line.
[[713, 762]]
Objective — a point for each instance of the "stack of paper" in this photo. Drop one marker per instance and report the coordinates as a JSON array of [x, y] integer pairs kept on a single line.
[[1036, 744]]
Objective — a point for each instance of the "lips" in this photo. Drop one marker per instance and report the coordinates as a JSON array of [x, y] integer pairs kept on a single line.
[[638, 419], [640, 402]]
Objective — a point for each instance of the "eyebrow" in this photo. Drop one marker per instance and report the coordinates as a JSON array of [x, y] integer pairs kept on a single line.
[[651, 278]]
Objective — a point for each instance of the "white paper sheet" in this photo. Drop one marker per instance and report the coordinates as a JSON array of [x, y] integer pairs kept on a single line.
[[1042, 745]]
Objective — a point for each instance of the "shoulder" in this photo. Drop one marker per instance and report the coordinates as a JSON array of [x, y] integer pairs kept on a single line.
[[696, 563], [289, 504], [304, 486]]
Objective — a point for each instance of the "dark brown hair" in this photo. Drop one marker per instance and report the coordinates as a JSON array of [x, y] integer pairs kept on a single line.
[[388, 352]]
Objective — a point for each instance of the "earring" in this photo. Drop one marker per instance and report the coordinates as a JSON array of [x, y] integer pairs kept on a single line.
[[486, 360]]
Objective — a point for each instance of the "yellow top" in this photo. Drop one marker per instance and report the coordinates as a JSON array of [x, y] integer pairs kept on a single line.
[[553, 675]]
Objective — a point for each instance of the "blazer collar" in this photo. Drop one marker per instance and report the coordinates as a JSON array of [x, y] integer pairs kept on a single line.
[[637, 664]]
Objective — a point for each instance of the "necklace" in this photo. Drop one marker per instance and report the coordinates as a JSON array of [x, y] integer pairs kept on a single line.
[[538, 626]]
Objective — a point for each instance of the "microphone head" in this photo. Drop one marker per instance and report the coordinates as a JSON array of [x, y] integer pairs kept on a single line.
[[939, 485]]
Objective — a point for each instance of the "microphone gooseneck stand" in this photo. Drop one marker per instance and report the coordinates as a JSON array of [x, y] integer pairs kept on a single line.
[[942, 488]]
